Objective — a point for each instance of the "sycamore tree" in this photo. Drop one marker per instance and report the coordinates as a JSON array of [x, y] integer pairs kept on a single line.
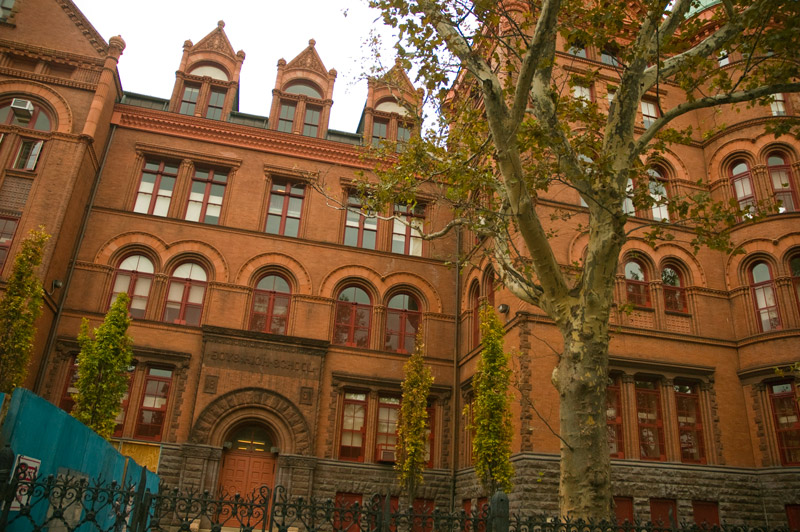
[[491, 413], [102, 369], [514, 128], [20, 307], [412, 424]]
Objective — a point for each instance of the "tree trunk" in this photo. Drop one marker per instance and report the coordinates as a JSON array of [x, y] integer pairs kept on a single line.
[[581, 379]]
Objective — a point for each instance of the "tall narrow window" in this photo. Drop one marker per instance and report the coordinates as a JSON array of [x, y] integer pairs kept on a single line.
[[216, 101], [285, 207], [674, 292], [402, 323], [271, 299], [582, 94], [67, 402], [360, 230], [8, 226], [778, 104], [28, 154], [153, 410], [742, 185], [286, 119], [134, 277], [780, 174], [794, 266], [636, 284], [205, 197], [616, 441], [690, 423], [379, 131], [403, 136], [311, 121], [658, 194], [354, 411], [406, 230], [786, 414], [185, 295], [764, 297], [650, 421], [189, 99], [627, 203], [386, 434], [649, 113], [475, 307], [353, 317], [156, 187]]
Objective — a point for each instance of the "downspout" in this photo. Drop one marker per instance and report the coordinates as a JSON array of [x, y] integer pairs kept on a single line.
[[456, 414], [51, 337]]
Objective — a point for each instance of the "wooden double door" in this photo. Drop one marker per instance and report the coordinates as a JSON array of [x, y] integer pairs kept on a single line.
[[248, 464]]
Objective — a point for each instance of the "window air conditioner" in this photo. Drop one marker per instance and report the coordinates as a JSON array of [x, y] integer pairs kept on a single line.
[[23, 109], [387, 455]]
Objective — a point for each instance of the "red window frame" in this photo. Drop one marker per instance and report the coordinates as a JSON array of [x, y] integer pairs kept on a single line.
[[429, 443], [157, 199], [623, 510], [403, 320], [690, 424], [216, 102], [285, 208], [616, 439], [311, 121], [286, 118], [273, 294], [782, 180], [349, 327], [406, 237], [765, 301], [660, 510], [475, 307], [657, 188], [8, 228], [191, 91], [786, 416], [794, 267], [674, 294], [205, 196], [742, 184], [650, 421], [386, 428], [638, 290], [152, 414], [354, 426], [137, 287], [186, 306], [28, 153], [359, 230], [706, 514]]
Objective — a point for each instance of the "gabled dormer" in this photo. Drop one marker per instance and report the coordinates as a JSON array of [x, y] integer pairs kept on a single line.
[[392, 110], [302, 98], [208, 77]]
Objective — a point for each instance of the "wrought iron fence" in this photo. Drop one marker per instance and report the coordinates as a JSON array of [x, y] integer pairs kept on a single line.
[[71, 504]]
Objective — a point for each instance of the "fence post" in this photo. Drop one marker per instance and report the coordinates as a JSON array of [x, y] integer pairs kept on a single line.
[[8, 483], [386, 514], [498, 512], [140, 511]]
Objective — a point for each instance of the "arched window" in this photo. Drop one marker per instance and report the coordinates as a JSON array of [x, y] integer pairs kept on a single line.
[[794, 266], [658, 193], [489, 286], [353, 317], [475, 307], [636, 284], [402, 323], [764, 297], [674, 291], [271, 298], [134, 276], [742, 184], [25, 114], [185, 295], [780, 175]]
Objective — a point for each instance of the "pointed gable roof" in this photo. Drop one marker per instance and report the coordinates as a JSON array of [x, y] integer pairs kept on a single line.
[[308, 59], [216, 41], [398, 78]]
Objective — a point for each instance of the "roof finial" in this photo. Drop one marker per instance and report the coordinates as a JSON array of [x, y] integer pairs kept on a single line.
[[221, 24], [312, 42]]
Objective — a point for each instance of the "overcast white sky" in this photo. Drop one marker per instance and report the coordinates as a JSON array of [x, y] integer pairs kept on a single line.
[[267, 30]]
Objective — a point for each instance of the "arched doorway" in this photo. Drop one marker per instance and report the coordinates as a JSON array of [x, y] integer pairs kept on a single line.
[[248, 461]]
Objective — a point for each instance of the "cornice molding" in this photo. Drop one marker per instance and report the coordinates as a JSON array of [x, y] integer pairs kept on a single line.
[[177, 153], [240, 136]]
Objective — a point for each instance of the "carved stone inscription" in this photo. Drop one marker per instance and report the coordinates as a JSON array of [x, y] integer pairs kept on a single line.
[[251, 357]]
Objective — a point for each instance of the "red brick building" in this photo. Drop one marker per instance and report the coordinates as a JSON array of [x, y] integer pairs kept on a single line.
[[271, 325]]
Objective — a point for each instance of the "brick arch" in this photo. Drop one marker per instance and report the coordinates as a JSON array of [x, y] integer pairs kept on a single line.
[[640, 252], [334, 279], [113, 249], [778, 146], [670, 251], [419, 285], [669, 160], [253, 404], [207, 254], [246, 276], [57, 103], [776, 252]]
